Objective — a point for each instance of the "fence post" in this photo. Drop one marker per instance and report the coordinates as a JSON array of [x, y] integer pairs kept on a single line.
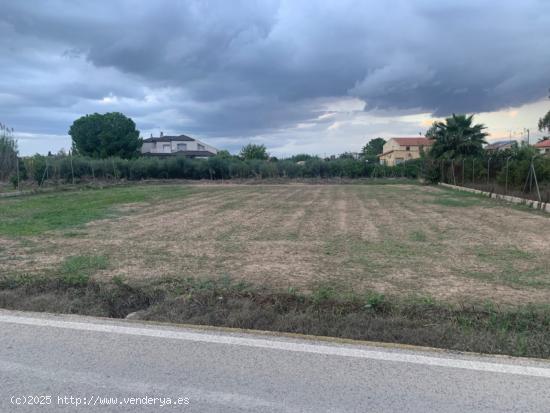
[[114, 170], [17, 167], [72, 168], [453, 169], [488, 170], [535, 177], [506, 185], [44, 174]]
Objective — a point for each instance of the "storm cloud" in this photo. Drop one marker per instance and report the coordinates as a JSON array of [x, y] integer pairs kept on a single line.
[[235, 70]]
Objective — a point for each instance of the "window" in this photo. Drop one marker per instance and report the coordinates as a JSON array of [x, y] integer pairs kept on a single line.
[[200, 147], [408, 148], [182, 146], [166, 148]]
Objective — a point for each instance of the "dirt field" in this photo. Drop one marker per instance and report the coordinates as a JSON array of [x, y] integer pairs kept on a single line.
[[398, 239]]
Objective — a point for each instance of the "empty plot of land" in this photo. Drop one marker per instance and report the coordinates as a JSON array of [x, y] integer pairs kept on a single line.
[[398, 239]]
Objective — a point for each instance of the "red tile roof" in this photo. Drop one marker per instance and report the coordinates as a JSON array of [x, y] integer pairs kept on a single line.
[[543, 144], [413, 141]]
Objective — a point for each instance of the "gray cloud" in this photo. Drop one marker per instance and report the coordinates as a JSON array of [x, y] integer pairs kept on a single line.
[[245, 69]]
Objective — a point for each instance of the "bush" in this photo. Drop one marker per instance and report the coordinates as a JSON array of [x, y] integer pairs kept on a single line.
[[62, 167]]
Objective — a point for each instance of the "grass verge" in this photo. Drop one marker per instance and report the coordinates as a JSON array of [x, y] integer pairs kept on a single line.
[[515, 331]]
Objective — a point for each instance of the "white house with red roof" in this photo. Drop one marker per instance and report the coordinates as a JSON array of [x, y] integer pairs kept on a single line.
[[543, 147], [397, 150]]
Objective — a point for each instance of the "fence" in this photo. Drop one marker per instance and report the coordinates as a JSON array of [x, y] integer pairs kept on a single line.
[[526, 178], [524, 175]]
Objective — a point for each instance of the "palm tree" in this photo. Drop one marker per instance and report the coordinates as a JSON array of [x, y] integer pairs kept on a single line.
[[457, 137]]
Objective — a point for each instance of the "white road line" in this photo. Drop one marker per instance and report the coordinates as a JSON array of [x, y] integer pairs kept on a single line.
[[330, 350]]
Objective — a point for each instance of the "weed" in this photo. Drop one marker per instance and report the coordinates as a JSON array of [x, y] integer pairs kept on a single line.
[[418, 236], [76, 270], [375, 300], [521, 331]]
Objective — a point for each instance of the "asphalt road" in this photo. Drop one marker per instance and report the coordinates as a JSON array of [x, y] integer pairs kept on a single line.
[[47, 359]]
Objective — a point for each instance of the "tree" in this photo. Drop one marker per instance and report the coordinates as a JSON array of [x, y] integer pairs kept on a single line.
[[457, 137], [430, 133], [253, 151], [102, 136], [224, 154], [374, 147], [302, 157], [544, 123]]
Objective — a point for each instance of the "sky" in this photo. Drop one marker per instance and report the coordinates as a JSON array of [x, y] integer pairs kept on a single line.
[[320, 77]]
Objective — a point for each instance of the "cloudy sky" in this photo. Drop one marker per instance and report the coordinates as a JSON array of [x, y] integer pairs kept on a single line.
[[298, 76]]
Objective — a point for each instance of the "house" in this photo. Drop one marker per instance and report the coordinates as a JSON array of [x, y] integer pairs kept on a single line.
[[397, 150], [177, 145], [543, 147], [500, 146]]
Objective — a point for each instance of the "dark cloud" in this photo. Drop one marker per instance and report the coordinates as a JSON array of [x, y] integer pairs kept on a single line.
[[244, 68]]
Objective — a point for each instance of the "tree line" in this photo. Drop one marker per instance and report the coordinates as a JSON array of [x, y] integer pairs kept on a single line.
[[107, 147], [66, 168]]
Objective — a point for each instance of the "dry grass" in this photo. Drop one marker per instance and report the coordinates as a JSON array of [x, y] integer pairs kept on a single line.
[[398, 239]]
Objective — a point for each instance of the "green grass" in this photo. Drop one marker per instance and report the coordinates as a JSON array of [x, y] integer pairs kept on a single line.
[[451, 201], [77, 270], [511, 276], [418, 236], [509, 266], [508, 255], [36, 214], [459, 199]]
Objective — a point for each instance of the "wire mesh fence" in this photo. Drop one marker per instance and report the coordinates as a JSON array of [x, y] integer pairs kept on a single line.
[[525, 178]]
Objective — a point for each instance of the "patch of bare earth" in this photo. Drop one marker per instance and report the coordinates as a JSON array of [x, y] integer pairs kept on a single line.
[[391, 238]]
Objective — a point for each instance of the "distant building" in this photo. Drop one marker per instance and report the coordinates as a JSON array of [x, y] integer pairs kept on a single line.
[[397, 150], [543, 147], [177, 145], [500, 146]]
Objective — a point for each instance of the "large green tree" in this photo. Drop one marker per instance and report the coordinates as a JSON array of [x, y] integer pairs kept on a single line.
[[457, 137], [373, 147], [253, 151], [544, 123], [102, 136]]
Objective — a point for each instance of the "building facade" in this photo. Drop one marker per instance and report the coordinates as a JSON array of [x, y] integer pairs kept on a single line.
[[500, 146], [397, 150], [543, 147], [177, 145]]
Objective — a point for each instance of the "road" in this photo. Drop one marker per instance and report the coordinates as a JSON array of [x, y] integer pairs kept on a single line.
[[140, 366]]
